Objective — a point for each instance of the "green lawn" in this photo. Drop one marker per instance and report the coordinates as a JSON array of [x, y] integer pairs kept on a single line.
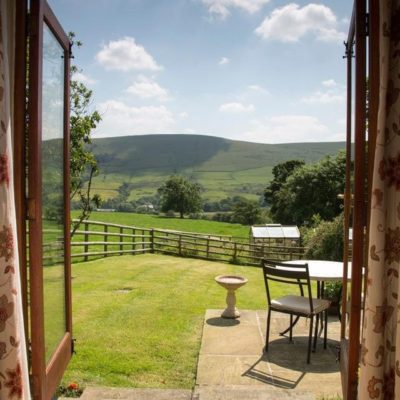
[[149, 336], [161, 222]]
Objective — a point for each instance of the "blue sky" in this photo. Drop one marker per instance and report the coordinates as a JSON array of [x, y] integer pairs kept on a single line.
[[267, 71]]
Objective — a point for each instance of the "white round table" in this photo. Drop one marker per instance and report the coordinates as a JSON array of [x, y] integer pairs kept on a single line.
[[324, 271]]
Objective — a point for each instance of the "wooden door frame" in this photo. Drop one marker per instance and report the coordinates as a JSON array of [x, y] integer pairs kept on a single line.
[[363, 38], [45, 377]]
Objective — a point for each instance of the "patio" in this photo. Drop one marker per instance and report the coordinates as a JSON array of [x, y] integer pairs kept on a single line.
[[231, 354]]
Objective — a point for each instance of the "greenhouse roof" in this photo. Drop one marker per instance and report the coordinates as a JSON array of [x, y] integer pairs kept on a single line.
[[275, 231]]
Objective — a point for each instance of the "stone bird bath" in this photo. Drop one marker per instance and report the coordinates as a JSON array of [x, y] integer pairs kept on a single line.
[[230, 283]]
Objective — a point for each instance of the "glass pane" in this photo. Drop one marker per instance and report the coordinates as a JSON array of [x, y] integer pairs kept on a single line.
[[53, 191]]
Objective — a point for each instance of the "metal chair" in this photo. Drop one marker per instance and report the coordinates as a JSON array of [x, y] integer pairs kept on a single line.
[[303, 305]]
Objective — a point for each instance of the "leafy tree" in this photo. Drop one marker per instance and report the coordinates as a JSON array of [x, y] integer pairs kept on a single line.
[[280, 172], [309, 190], [83, 165], [181, 195], [246, 212]]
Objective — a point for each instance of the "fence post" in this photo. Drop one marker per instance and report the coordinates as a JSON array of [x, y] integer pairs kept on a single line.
[[142, 239], [106, 241], [86, 239], [133, 240], [121, 239], [180, 245], [152, 240], [208, 247], [234, 251]]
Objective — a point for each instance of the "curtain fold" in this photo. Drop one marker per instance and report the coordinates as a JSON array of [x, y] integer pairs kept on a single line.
[[14, 379], [380, 345]]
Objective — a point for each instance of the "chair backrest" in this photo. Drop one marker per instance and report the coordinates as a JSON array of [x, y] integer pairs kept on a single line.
[[290, 274]]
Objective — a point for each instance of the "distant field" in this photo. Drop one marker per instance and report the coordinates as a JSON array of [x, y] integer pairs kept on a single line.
[[156, 221], [216, 185], [225, 168]]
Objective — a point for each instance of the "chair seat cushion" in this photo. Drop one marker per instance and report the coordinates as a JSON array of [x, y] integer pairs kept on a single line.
[[299, 304]]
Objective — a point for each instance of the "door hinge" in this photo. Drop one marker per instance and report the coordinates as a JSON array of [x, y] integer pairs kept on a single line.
[[73, 341], [367, 24], [30, 209]]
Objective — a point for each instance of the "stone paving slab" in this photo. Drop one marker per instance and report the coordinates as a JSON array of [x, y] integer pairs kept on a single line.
[[232, 354], [97, 393], [242, 392]]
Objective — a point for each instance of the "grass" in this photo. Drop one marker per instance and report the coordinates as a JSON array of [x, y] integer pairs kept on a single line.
[[148, 336], [156, 221]]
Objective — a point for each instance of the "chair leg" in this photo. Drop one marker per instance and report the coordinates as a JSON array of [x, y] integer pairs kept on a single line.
[[291, 328], [310, 339], [326, 328], [267, 333], [316, 333]]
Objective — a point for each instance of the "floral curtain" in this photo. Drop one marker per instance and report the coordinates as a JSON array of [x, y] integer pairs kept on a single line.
[[14, 381], [380, 351]]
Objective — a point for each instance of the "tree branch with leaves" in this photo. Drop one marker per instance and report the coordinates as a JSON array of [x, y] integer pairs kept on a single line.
[[83, 164]]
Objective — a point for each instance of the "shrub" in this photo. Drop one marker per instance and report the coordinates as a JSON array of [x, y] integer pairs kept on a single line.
[[325, 241], [170, 213]]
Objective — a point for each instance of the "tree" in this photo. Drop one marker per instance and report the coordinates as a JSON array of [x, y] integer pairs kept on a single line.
[[246, 212], [83, 164], [309, 190], [280, 172], [179, 194]]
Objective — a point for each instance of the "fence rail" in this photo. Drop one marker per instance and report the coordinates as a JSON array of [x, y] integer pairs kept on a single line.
[[115, 239]]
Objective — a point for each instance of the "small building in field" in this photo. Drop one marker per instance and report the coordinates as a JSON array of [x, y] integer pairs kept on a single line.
[[275, 235]]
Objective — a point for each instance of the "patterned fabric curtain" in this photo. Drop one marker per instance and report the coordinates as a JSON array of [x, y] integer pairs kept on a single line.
[[380, 352], [14, 381]]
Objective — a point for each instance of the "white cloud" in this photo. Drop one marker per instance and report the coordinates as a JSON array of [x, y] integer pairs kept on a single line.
[[223, 61], [291, 22], [183, 114], [222, 8], [147, 88], [329, 83], [126, 55], [236, 108], [119, 119], [332, 93], [83, 78], [327, 97], [287, 129]]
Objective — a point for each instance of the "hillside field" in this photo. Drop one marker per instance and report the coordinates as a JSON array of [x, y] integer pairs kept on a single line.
[[223, 167]]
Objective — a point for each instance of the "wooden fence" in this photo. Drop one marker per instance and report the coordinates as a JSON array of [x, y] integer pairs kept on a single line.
[[100, 239]]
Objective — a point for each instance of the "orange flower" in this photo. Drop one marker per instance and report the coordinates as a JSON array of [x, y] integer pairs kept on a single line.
[[73, 386]]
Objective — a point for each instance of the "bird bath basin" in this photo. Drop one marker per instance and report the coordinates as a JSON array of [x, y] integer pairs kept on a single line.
[[230, 283]]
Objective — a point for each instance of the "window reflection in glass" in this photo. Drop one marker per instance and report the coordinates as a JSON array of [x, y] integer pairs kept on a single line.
[[53, 191]]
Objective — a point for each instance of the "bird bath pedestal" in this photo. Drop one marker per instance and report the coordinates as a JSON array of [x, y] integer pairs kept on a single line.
[[230, 283]]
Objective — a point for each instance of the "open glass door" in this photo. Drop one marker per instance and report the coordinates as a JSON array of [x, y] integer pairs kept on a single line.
[[48, 204]]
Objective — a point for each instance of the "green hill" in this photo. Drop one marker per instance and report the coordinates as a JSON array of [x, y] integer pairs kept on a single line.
[[223, 167]]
